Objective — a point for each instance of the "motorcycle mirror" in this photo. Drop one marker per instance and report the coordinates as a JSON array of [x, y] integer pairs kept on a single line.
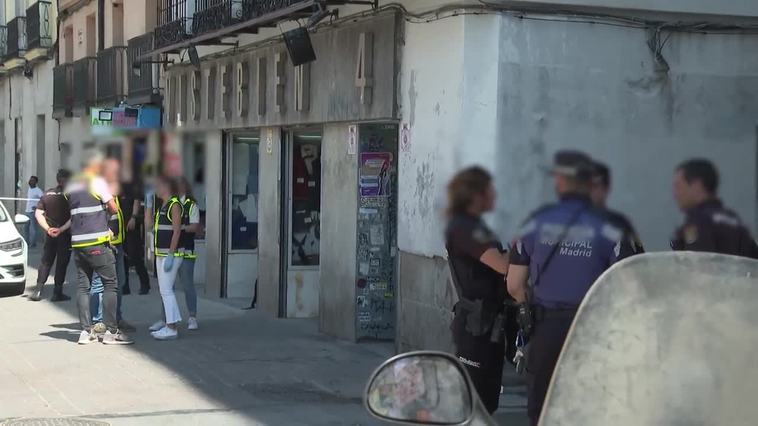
[[421, 388], [21, 219]]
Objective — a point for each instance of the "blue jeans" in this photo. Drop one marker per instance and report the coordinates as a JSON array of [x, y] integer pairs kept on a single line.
[[31, 229], [187, 277], [96, 290]]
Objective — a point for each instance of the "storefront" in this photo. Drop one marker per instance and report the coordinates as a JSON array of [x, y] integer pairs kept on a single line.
[[299, 173]]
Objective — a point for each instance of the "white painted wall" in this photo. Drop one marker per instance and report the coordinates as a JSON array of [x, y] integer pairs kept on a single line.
[[507, 93], [30, 97]]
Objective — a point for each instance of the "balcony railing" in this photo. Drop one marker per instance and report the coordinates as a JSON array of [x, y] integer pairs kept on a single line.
[[39, 25], [63, 90], [214, 14], [3, 42], [143, 87], [16, 37], [174, 22], [111, 77], [85, 77]]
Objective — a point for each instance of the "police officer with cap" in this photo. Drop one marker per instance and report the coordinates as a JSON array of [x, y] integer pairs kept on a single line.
[[558, 254], [478, 264], [709, 226], [601, 189]]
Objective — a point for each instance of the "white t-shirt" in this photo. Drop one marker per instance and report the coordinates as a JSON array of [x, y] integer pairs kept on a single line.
[[34, 194], [98, 185], [194, 214]]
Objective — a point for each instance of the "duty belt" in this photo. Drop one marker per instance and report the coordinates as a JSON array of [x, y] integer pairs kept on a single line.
[[542, 313]]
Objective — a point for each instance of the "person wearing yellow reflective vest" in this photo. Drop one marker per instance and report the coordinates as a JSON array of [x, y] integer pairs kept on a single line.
[[190, 228], [91, 204], [169, 255]]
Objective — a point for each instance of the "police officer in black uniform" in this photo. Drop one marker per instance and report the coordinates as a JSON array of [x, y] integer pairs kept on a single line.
[[559, 253], [478, 264], [709, 226], [601, 189], [53, 212]]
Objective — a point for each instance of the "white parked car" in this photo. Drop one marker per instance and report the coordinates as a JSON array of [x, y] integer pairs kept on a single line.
[[13, 254]]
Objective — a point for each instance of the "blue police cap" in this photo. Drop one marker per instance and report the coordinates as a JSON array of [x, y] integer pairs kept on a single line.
[[574, 164]]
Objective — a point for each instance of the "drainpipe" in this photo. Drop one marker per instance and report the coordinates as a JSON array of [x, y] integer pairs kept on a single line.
[[100, 25]]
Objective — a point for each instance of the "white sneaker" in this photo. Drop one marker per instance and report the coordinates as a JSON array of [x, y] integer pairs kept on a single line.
[[165, 333], [192, 323], [85, 338], [157, 326]]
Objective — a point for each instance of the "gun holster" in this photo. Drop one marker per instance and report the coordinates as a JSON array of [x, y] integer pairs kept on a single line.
[[478, 320]]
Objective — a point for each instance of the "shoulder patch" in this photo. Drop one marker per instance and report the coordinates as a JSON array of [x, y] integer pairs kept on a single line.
[[481, 236], [725, 219], [611, 232]]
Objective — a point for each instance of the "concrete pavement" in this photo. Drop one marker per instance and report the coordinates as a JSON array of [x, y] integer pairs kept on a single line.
[[240, 368]]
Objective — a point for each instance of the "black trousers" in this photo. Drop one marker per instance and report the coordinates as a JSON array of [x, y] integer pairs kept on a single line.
[[135, 256], [544, 348], [484, 363], [56, 250]]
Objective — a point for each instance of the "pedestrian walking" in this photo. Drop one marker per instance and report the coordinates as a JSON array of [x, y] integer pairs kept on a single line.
[[52, 212], [601, 189], [33, 195], [708, 226], [91, 205], [190, 228], [478, 264], [168, 252], [561, 250], [134, 240]]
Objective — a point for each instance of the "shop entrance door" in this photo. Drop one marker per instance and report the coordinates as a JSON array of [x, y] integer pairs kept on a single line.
[[302, 233], [242, 215]]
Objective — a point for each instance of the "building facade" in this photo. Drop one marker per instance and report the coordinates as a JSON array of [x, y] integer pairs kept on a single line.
[[448, 84], [322, 185], [28, 134]]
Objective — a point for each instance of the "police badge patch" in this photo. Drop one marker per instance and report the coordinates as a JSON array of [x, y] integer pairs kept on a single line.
[[690, 234], [481, 236]]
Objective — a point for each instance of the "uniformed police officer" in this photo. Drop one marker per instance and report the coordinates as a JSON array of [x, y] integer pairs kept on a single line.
[[91, 205], [709, 226], [52, 212], [601, 189], [478, 264], [559, 253]]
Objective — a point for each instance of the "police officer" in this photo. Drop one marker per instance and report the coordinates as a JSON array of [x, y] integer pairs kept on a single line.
[[478, 264], [53, 212], [601, 189], [190, 228], [709, 226], [91, 205], [559, 253]]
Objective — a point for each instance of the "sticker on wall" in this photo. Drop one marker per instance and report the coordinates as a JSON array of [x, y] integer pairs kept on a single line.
[[352, 140], [375, 174], [405, 138]]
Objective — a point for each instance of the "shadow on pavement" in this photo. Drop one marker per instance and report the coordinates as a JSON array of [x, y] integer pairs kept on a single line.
[[241, 367]]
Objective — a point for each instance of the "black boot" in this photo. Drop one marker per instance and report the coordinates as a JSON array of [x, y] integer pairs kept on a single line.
[[126, 290], [58, 295]]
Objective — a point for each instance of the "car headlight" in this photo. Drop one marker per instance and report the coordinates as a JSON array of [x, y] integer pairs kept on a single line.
[[12, 245]]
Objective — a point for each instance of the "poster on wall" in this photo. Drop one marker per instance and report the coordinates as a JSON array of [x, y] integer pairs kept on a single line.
[[375, 174], [377, 232]]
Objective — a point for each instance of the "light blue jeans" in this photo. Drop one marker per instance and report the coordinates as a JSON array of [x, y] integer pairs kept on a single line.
[[96, 290], [187, 277], [31, 229]]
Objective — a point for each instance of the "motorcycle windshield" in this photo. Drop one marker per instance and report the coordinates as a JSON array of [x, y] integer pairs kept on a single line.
[[662, 339]]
